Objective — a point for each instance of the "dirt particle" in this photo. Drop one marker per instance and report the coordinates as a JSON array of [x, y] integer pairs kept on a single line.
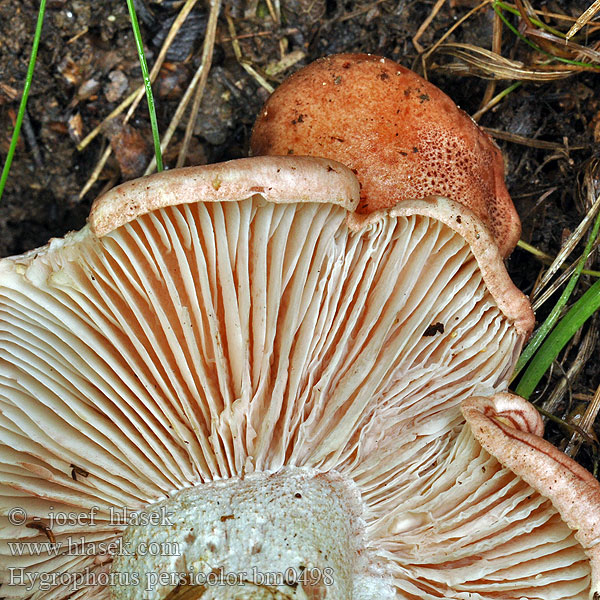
[[433, 329]]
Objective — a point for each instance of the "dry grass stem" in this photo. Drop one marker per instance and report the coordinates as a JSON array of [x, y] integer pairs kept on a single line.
[[569, 246], [111, 115], [584, 19], [360, 11], [95, 173], [243, 62], [425, 24], [584, 352], [495, 100], [287, 60], [488, 64], [425, 56], [274, 10], [586, 432], [185, 99], [490, 89], [547, 14], [531, 142], [207, 54], [560, 47], [134, 98], [555, 286], [223, 39]]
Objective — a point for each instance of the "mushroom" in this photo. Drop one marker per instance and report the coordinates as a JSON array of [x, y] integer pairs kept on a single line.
[[230, 384], [402, 136]]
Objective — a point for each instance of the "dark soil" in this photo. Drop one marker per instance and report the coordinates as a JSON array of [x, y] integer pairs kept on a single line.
[[87, 65]]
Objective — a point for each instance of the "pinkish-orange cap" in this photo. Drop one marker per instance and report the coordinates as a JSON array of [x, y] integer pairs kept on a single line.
[[403, 137]]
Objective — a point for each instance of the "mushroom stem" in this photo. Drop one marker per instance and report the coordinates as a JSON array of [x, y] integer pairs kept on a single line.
[[293, 534]]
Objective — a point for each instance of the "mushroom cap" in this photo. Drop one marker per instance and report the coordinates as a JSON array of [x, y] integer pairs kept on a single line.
[[510, 429], [513, 303], [402, 136], [243, 337], [275, 179]]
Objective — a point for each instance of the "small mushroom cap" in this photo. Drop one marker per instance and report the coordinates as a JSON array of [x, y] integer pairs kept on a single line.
[[510, 429], [402, 136]]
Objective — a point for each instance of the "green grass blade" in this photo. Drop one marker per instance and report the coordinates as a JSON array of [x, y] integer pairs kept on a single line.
[[535, 21], [28, 79], [551, 320], [577, 315], [147, 84], [497, 6]]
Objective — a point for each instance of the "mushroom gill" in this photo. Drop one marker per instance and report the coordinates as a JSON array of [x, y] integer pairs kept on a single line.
[[229, 363]]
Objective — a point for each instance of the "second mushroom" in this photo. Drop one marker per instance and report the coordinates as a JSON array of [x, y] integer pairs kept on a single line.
[[231, 384]]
